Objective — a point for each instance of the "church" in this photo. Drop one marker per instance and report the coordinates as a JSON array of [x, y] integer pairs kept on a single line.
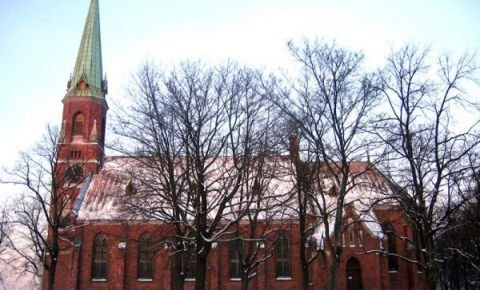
[[108, 249]]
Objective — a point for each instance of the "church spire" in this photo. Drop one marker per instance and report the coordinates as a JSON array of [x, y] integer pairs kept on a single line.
[[87, 79]]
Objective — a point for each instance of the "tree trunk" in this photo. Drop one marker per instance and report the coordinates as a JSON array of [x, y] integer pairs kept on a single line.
[[304, 265], [303, 251], [51, 273], [200, 277], [53, 259], [334, 269], [431, 269], [245, 281], [302, 184], [306, 278], [431, 278]]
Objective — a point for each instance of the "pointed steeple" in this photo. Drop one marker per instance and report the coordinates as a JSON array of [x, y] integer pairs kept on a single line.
[[87, 79]]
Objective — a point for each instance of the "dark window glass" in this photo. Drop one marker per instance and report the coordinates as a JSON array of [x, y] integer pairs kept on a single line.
[[99, 257], [418, 254], [351, 236], [392, 248], [282, 253], [189, 265], [324, 259], [361, 238], [145, 257], [236, 253]]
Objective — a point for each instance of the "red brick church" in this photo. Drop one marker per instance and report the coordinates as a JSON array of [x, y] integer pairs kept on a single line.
[[108, 251]]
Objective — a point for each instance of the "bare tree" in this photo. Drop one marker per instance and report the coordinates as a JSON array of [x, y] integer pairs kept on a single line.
[[43, 208], [195, 134], [330, 106], [459, 246], [26, 241], [257, 232], [429, 156], [149, 125], [4, 234], [4, 228]]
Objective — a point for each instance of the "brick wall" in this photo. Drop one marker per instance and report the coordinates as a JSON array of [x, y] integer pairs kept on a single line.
[[76, 263]]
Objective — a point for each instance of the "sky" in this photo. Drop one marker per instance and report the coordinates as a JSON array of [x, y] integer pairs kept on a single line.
[[39, 40]]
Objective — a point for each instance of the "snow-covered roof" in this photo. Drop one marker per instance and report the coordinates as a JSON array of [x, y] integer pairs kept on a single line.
[[101, 199], [367, 188], [103, 196]]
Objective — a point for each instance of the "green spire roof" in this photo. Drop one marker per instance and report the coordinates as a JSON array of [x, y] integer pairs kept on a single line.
[[87, 79]]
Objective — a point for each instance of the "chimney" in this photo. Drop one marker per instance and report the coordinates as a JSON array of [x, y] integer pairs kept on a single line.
[[294, 147]]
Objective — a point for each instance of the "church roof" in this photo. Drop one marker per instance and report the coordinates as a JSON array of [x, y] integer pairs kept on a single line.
[[101, 194], [104, 195], [87, 79]]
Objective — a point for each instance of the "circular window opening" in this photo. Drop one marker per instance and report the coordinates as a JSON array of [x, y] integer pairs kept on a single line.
[[74, 173]]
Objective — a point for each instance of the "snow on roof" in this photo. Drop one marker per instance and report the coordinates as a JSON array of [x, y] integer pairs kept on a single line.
[[367, 188], [102, 198]]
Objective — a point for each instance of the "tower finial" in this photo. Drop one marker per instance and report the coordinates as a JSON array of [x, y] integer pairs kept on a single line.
[[88, 66]]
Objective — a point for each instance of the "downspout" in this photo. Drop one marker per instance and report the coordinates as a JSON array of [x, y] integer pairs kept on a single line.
[[380, 262], [79, 260], [125, 252]]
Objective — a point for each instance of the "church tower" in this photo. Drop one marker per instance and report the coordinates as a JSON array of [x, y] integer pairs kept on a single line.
[[82, 137]]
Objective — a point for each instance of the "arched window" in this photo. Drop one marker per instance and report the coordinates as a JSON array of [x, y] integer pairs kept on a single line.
[[78, 123], [145, 257], [236, 254], [74, 173], [418, 254], [99, 257], [351, 233], [351, 236], [361, 238], [391, 247], [323, 256], [282, 253]]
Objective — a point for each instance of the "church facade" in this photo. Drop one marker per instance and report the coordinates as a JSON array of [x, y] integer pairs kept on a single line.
[[105, 250]]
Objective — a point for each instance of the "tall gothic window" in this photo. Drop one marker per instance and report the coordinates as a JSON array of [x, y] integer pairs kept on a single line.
[[351, 236], [361, 238], [78, 123], [99, 258], [392, 247], [418, 254], [282, 253], [236, 253], [145, 257], [324, 258]]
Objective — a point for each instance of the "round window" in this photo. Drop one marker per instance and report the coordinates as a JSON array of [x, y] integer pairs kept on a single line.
[[74, 173]]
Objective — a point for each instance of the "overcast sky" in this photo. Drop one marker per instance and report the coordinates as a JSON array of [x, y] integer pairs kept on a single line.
[[39, 40]]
